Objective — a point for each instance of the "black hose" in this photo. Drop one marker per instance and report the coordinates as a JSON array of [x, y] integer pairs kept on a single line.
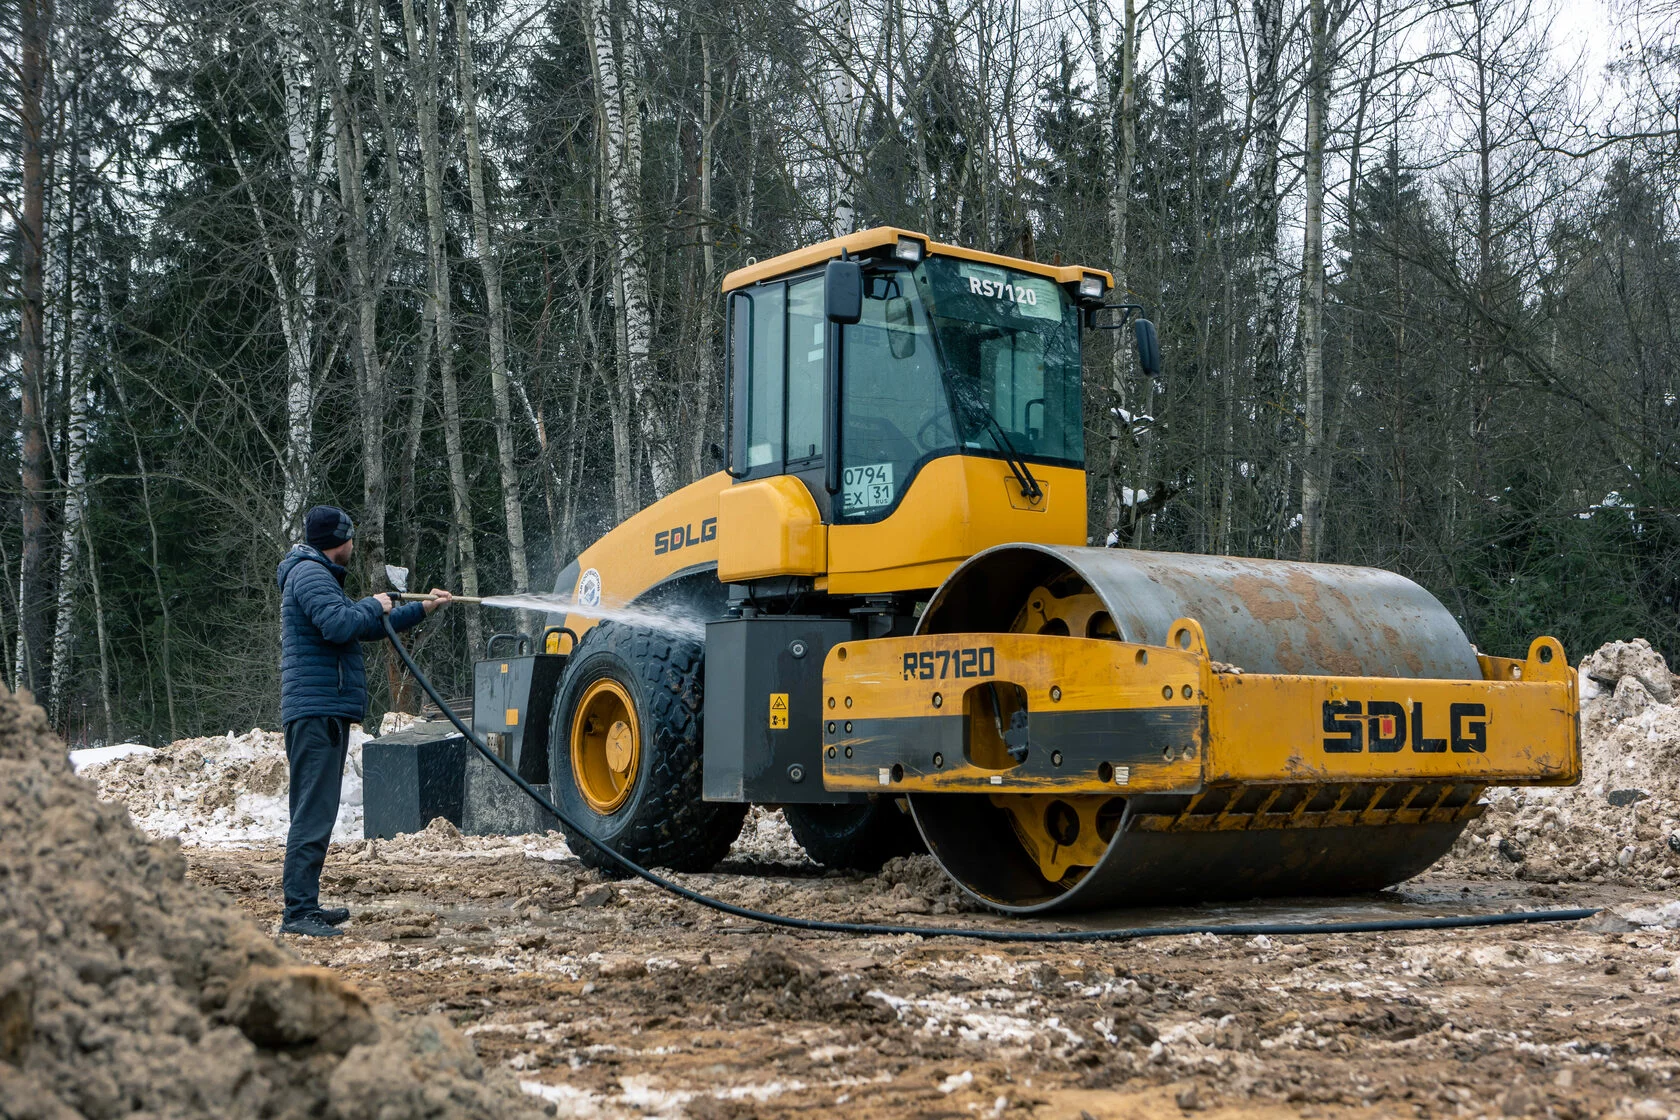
[[1514, 917]]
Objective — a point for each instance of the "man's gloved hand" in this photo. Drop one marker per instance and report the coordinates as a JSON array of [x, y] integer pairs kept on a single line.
[[439, 598]]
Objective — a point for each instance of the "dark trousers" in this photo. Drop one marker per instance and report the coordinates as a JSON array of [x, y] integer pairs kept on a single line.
[[315, 749]]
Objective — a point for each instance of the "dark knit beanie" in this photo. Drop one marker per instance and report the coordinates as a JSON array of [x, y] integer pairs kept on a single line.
[[327, 527]]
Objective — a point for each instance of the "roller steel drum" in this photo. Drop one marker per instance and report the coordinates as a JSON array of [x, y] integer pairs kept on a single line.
[[1264, 616]]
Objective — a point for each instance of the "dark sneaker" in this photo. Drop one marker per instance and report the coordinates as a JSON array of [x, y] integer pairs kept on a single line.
[[333, 916], [312, 926]]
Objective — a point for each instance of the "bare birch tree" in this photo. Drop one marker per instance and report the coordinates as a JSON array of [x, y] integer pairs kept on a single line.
[[423, 76], [77, 392], [496, 326], [617, 60], [1268, 96], [350, 150], [1312, 281], [34, 66], [295, 287], [1118, 115], [842, 104]]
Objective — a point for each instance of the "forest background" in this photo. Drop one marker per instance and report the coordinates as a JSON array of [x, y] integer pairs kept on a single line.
[[454, 265]]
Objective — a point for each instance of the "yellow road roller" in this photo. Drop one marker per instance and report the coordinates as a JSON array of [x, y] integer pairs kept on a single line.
[[882, 615]]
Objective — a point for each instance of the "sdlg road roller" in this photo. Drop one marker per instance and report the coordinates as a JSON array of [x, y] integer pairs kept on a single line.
[[908, 643]]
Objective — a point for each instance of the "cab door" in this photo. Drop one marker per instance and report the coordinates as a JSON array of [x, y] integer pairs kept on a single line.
[[781, 343]]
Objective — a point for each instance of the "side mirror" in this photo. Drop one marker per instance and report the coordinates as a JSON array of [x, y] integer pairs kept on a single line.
[[843, 292], [1148, 347]]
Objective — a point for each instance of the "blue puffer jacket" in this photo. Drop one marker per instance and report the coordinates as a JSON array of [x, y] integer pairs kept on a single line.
[[321, 631]]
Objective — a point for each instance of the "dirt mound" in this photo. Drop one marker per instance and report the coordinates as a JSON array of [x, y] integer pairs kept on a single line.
[[918, 885], [1608, 665], [125, 990], [775, 981], [1622, 823]]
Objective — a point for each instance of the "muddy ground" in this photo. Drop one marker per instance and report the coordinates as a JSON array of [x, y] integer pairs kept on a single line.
[[612, 999]]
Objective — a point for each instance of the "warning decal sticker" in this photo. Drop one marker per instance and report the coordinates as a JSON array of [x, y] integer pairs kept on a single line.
[[778, 711]]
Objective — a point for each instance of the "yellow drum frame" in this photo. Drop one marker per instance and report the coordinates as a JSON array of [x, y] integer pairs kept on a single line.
[[1125, 757]]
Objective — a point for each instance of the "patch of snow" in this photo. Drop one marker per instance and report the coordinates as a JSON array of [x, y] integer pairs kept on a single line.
[[957, 1081], [98, 756], [647, 1097], [1666, 916], [568, 1100]]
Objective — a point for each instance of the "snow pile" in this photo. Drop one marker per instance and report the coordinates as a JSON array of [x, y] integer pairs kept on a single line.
[[440, 838], [766, 838], [124, 990], [1622, 823], [98, 756], [221, 791], [230, 791]]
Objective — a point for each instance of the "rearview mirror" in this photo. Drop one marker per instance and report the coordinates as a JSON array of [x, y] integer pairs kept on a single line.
[[1148, 347], [843, 292]]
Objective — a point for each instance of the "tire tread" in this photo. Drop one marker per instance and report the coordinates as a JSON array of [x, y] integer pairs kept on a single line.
[[670, 824]]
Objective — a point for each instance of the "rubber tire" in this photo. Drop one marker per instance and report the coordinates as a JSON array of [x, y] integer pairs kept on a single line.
[[664, 822], [854, 837]]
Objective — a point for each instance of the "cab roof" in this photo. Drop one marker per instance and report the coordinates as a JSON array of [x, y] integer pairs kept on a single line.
[[864, 241]]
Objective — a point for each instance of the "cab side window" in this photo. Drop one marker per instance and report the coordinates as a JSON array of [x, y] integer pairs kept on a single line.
[[807, 328], [780, 336], [764, 376]]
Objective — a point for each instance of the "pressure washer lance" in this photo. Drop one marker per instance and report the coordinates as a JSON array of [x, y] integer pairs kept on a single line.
[[418, 597], [398, 577], [868, 929]]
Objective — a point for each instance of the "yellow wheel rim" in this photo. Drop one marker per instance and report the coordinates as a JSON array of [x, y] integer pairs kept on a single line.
[[606, 745]]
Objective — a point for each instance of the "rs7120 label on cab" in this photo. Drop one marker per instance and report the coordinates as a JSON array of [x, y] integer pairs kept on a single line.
[[945, 664]]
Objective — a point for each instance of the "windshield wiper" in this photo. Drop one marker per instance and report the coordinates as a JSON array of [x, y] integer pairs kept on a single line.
[[1030, 489]]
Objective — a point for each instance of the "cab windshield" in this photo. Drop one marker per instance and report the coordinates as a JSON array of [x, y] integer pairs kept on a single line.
[[955, 356]]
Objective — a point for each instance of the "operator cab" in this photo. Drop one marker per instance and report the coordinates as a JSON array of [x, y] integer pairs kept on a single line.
[[854, 375]]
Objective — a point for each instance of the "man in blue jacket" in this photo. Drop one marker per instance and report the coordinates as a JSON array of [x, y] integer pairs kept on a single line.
[[323, 690]]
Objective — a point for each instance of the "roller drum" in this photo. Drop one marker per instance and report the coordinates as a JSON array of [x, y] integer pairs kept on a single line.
[[1262, 616]]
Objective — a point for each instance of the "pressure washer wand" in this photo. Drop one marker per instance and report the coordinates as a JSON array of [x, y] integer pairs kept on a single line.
[[418, 597], [398, 578]]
